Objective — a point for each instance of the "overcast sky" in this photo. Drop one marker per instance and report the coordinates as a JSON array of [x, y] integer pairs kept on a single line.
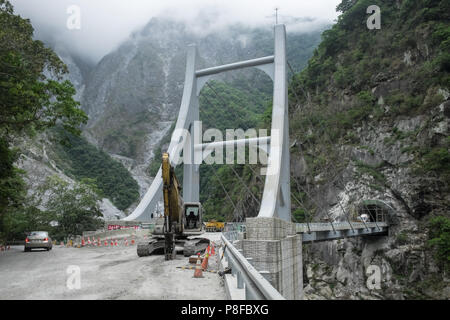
[[106, 23]]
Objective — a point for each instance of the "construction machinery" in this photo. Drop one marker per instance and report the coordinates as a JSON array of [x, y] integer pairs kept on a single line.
[[214, 226], [181, 224]]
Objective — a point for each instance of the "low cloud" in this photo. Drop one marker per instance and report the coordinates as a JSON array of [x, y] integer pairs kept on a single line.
[[106, 23]]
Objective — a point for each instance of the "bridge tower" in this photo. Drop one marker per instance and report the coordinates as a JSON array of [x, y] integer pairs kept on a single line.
[[186, 138], [272, 242]]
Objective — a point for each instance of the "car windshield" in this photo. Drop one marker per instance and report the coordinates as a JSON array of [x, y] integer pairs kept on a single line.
[[38, 234]]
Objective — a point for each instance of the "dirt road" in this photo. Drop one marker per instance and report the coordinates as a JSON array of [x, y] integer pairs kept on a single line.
[[105, 273]]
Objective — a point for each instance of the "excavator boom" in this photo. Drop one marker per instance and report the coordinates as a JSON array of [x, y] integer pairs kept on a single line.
[[180, 220]]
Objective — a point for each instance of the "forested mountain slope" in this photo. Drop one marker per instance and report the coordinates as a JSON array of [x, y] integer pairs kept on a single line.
[[370, 120]]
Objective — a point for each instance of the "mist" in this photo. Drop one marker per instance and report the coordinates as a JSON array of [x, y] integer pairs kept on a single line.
[[104, 24]]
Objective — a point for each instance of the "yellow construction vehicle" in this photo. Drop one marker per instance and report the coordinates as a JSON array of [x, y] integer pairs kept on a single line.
[[214, 226], [182, 221]]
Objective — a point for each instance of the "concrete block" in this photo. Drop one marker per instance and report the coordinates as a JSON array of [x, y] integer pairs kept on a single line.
[[276, 248]]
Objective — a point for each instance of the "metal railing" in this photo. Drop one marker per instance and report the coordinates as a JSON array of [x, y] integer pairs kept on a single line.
[[248, 278], [304, 228], [235, 226]]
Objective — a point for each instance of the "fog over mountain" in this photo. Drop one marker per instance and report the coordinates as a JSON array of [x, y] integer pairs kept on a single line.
[[105, 24]]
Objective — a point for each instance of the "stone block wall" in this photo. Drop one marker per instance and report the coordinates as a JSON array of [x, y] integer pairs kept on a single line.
[[276, 249]]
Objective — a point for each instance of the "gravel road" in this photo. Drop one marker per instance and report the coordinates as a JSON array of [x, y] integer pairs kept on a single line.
[[105, 273]]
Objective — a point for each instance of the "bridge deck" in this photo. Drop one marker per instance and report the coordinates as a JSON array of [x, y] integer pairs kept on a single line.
[[314, 232]]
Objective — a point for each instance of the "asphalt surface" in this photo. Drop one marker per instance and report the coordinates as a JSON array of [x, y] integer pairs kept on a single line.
[[105, 273]]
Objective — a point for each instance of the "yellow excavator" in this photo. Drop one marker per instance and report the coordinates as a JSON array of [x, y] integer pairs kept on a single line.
[[181, 223]]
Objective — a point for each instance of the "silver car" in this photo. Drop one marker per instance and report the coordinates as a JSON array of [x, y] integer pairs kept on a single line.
[[38, 239]]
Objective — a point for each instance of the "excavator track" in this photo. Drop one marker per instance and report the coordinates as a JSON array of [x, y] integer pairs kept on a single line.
[[194, 246], [149, 247], [156, 246]]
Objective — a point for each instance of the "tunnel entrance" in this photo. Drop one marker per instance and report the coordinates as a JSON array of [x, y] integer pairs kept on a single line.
[[373, 211]]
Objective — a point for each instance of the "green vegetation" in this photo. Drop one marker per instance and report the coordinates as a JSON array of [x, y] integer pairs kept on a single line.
[[30, 101], [439, 238], [224, 106], [338, 95], [12, 187], [82, 160], [436, 160], [300, 215], [353, 61], [362, 87], [402, 238], [70, 211], [214, 198]]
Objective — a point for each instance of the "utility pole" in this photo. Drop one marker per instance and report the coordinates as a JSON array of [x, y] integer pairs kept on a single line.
[[276, 15]]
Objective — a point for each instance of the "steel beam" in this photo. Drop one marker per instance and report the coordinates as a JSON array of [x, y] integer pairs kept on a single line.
[[319, 236], [234, 66]]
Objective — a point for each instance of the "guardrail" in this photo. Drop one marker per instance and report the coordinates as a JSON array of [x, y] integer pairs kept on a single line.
[[255, 286]]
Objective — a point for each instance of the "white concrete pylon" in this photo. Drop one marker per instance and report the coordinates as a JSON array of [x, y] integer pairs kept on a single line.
[[276, 197]]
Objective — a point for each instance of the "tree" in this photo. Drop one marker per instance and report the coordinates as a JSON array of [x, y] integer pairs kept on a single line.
[[33, 97], [12, 186], [30, 97], [439, 238], [345, 5], [74, 209]]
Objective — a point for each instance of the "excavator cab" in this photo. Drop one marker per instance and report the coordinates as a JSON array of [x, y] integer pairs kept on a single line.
[[193, 213]]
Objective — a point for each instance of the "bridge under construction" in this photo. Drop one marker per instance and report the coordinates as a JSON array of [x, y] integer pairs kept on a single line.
[[267, 262]]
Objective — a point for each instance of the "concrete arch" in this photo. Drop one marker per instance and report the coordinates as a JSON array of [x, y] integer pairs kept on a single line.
[[276, 200]]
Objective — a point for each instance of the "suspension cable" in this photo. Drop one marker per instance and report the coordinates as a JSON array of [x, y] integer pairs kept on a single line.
[[242, 182], [334, 168], [223, 187], [316, 203], [292, 195]]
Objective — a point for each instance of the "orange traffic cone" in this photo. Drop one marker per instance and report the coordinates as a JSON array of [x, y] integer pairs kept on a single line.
[[89, 241], [116, 243], [126, 242], [205, 261], [99, 243], [106, 243], [132, 241], [112, 243], [198, 273], [82, 242]]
